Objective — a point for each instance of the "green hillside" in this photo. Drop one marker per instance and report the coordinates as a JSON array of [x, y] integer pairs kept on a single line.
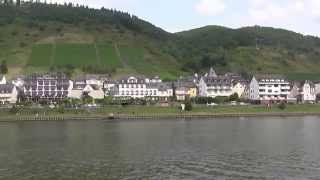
[[76, 39]]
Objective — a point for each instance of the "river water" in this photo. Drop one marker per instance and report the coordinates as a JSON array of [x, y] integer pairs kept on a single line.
[[226, 148]]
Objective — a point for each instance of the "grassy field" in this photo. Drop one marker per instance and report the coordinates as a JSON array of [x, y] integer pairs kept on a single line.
[[151, 110], [198, 110]]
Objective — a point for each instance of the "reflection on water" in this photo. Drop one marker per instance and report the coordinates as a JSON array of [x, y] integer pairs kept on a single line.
[[229, 148]]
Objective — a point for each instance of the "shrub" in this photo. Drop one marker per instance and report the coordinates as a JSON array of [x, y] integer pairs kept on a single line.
[[282, 106], [220, 99], [234, 97], [14, 110], [61, 109], [188, 104]]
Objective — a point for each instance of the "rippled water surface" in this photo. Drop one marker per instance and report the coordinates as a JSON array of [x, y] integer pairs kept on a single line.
[[229, 148]]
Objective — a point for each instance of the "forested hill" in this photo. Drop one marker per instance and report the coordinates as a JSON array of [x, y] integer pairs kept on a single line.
[[76, 39], [76, 14], [254, 49]]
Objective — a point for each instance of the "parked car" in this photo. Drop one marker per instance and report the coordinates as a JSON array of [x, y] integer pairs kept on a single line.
[[212, 104], [233, 103]]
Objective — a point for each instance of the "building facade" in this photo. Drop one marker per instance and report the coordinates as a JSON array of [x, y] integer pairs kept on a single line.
[[46, 87], [269, 88], [8, 94], [308, 92]]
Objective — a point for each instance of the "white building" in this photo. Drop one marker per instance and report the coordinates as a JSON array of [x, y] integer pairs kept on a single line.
[[134, 87], [238, 87], [308, 92], [317, 87], [79, 88], [213, 86], [8, 94], [140, 87], [49, 87], [3, 80], [268, 88]]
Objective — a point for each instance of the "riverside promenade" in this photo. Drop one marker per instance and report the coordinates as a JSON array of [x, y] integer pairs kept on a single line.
[[152, 112]]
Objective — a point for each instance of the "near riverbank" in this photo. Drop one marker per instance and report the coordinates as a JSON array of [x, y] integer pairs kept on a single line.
[[154, 112]]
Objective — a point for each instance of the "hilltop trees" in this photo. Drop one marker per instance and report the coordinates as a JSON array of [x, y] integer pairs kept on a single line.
[[76, 14]]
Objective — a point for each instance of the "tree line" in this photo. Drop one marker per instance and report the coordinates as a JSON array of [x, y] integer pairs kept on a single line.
[[76, 14]]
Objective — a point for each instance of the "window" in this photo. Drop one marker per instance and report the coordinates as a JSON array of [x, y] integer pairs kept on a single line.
[[269, 91]]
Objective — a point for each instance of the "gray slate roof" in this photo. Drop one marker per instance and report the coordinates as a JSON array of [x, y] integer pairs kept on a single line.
[[218, 81], [6, 88]]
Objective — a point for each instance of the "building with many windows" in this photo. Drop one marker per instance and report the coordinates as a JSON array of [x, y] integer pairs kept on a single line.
[[269, 88], [213, 86], [50, 87], [134, 87], [308, 92]]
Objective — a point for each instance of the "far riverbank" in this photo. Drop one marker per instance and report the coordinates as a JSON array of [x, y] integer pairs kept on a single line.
[[154, 112]]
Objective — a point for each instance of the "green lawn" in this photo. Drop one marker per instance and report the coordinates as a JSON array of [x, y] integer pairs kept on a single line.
[[76, 54], [41, 55]]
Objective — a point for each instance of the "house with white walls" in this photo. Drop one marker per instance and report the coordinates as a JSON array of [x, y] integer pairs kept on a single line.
[[3, 79], [215, 86], [8, 94], [269, 88], [308, 92], [80, 88]]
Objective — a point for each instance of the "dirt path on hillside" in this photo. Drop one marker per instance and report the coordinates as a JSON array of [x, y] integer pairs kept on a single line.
[[123, 61], [53, 53], [97, 54]]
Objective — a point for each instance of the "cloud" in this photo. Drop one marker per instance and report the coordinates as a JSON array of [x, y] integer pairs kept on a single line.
[[265, 11], [210, 7]]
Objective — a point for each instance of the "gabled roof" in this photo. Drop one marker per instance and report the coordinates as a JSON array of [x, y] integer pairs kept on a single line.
[[124, 79], [212, 73], [159, 86]]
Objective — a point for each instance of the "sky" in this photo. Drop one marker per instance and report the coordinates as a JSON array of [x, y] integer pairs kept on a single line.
[[301, 16]]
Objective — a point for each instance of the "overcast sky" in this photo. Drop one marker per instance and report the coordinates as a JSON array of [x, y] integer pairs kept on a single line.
[[176, 15]]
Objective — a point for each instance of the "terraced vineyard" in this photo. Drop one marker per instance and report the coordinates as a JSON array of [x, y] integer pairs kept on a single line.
[[79, 55], [107, 56]]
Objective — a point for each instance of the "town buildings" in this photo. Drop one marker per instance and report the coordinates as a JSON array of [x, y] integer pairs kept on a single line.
[[56, 87]]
